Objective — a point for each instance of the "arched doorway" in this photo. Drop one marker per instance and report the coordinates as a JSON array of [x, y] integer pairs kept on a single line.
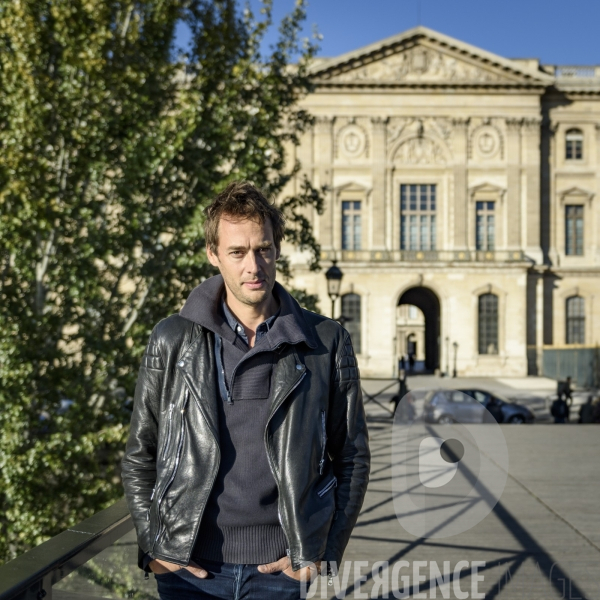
[[429, 305]]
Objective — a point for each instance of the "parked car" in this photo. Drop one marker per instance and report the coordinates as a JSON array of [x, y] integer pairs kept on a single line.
[[468, 406]]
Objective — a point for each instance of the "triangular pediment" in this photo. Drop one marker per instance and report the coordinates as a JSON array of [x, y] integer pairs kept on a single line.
[[425, 57], [576, 192], [351, 187]]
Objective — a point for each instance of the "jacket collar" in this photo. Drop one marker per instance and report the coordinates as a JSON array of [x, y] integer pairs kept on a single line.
[[203, 307]]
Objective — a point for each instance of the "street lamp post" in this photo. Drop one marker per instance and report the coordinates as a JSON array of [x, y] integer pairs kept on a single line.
[[447, 356], [334, 282], [455, 345]]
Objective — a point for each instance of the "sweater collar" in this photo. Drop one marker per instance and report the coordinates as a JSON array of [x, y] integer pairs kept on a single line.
[[203, 307]]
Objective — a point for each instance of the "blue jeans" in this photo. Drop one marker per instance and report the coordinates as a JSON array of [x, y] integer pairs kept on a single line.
[[227, 581]]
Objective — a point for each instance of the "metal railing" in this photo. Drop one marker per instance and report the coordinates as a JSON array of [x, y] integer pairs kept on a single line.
[[32, 575], [575, 71], [416, 256]]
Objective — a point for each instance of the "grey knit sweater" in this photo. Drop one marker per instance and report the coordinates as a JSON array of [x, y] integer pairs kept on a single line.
[[240, 523]]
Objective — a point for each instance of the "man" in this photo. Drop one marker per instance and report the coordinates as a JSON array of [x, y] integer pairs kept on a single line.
[[247, 460], [565, 390], [586, 411], [560, 410]]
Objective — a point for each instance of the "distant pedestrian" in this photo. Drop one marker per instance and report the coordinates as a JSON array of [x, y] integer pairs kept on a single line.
[[560, 410], [566, 391], [495, 409], [596, 411], [402, 390], [411, 362], [586, 412]]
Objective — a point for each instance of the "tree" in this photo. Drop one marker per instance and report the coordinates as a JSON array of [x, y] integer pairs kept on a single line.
[[112, 140]]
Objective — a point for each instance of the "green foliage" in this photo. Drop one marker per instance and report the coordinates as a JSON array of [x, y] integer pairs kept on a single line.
[[112, 141]]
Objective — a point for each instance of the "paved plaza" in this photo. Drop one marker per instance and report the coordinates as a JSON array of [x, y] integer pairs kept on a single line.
[[540, 542], [534, 392]]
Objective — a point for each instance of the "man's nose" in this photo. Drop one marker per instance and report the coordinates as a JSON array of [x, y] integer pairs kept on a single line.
[[252, 262]]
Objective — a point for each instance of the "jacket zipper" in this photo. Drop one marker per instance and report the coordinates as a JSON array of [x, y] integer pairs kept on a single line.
[[323, 443], [226, 390], [178, 456], [166, 447], [271, 458], [151, 497], [331, 484], [212, 483]]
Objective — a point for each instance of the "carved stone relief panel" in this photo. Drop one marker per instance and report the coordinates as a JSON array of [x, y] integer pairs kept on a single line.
[[395, 128], [419, 151], [419, 64], [352, 141], [423, 140], [486, 142], [443, 125]]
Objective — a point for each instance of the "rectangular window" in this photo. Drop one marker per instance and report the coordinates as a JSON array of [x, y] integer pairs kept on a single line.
[[488, 324], [485, 231], [575, 320], [417, 217], [574, 229], [351, 319], [574, 150], [574, 144], [351, 225]]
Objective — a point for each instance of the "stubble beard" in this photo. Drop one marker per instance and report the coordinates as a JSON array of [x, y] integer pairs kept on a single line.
[[253, 298]]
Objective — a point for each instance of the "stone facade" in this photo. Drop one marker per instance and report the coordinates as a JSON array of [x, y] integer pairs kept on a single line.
[[462, 183]]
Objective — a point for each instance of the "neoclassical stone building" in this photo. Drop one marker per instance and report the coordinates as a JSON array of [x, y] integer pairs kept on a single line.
[[462, 183]]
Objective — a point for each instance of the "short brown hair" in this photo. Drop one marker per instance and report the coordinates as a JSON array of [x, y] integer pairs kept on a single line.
[[242, 200]]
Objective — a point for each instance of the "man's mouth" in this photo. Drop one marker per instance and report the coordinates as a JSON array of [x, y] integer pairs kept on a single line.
[[255, 285]]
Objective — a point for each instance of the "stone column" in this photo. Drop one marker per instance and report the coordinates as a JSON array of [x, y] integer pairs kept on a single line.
[[513, 193], [551, 208], [596, 211], [539, 321], [324, 172], [378, 197], [545, 175], [531, 159], [460, 132]]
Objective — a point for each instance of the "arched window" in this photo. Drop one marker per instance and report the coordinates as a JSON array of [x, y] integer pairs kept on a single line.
[[351, 310], [575, 320], [488, 324], [574, 144]]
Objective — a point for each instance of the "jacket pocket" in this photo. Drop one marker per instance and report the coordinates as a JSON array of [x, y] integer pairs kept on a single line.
[[169, 427], [327, 487]]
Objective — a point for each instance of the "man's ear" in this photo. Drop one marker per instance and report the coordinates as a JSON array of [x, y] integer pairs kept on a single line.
[[277, 252], [213, 258]]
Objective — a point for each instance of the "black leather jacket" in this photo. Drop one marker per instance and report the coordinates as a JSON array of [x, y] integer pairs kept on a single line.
[[316, 440]]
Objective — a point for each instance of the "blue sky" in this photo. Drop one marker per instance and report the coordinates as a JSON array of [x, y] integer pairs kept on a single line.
[[555, 31]]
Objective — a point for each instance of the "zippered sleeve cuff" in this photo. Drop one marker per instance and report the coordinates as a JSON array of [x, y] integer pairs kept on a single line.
[[144, 559]]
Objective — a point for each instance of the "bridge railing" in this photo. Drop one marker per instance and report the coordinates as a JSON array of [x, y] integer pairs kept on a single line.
[[96, 558]]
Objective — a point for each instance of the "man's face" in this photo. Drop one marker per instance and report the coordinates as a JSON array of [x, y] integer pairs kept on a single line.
[[246, 257]]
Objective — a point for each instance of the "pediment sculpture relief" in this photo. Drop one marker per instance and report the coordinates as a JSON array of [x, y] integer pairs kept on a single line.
[[419, 64], [420, 128], [419, 151]]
